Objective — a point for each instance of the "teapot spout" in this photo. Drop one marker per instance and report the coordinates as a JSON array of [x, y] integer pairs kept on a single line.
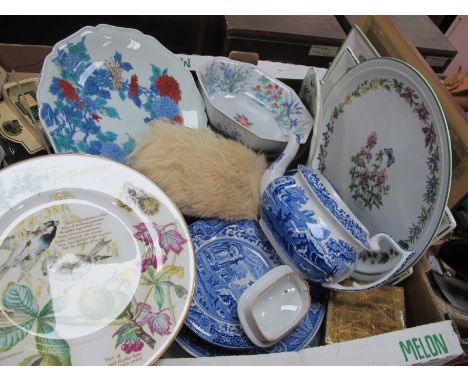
[[279, 165]]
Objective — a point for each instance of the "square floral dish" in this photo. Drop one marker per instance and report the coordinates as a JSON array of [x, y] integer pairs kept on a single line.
[[251, 106]]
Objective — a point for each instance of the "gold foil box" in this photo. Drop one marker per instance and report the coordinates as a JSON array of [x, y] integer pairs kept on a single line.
[[357, 315]]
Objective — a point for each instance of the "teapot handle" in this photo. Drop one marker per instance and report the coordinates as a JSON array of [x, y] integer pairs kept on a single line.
[[279, 165], [375, 247]]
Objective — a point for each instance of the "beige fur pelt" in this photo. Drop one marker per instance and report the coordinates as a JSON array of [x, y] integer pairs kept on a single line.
[[205, 174]]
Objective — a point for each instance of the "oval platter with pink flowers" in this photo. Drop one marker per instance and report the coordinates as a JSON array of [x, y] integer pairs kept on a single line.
[[384, 144], [96, 264], [100, 87]]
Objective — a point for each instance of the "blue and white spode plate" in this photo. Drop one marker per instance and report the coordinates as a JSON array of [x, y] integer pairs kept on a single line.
[[100, 86], [230, 257]]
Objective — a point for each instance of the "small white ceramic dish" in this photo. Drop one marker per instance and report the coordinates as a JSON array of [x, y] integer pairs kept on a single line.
[[251, 106], [271, 307]]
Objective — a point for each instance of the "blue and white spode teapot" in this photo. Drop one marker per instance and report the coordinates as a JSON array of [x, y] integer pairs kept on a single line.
[[312, 229]]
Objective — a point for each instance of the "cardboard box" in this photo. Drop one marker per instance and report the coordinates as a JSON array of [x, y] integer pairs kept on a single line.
[[429, 339]]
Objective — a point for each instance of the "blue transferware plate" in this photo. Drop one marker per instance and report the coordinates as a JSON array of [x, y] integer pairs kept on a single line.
[[197, 347], [100, 86], [230, 257]]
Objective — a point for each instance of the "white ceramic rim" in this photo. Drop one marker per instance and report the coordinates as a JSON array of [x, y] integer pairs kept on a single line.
[[366, 40], [240, 63], [442, 202], [152, 188], [305, 291]]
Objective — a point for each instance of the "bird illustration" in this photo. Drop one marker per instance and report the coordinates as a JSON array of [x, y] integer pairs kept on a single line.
[[27, 254], [72, 262]]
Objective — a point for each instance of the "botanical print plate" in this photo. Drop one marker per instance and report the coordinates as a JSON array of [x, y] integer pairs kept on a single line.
[[100, 86], [385, 147], [230, 257], [251, 106], [96, 264]]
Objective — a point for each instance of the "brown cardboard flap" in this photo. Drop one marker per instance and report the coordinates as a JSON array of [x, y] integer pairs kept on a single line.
[[421, 307], [249, 57], [23, 58]]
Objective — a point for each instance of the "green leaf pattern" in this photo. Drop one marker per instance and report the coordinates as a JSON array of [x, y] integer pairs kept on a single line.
[[10, 336], [19, 298]]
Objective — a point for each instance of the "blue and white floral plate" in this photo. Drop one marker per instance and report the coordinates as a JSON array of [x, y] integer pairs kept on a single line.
[[251, 106], [100, 86], [230, 257], [197, 347], [384, 145]]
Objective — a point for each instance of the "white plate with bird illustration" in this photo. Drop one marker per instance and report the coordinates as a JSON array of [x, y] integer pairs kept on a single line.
[[385, 146], [100, 86], [96, 264]]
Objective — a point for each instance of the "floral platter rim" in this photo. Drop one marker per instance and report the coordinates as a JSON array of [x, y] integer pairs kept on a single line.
[[442, 130], [238, 125], [44, 97], [30, 165], [292, 342]]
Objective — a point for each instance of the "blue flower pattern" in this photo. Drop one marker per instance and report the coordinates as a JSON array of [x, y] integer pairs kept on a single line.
[[74, 119], [299, 338], [307, 242], [225, 268], [346, 221]]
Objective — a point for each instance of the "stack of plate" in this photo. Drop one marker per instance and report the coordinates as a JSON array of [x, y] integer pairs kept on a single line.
[[229, 258]]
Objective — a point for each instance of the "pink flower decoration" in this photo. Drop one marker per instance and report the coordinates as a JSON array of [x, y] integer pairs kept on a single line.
[[144, 315], [381, 177], [243, 120], [142, 233], [160, 323], [171, 240], [364, 176], [430, 137], [408, 94], [422, 112], [372, 139]]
